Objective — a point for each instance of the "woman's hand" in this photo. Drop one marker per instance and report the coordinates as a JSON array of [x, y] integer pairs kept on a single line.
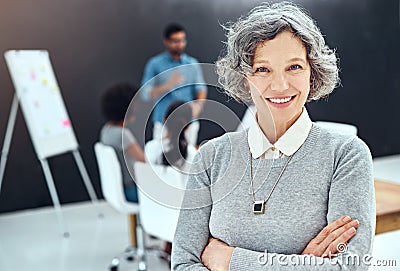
[[327, 241], [217, 255]]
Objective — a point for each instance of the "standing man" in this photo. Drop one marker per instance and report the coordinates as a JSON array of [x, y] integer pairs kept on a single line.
[[171, 76]]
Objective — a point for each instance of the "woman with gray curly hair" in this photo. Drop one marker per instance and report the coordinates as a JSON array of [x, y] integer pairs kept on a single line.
[[284, 194]]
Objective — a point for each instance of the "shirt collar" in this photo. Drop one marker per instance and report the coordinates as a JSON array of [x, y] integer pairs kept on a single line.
[[181, 59], [258, 143], [287, 144]]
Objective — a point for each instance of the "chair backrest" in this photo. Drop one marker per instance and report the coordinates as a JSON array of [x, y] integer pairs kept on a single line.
[[111, 179], [342, 128], [160, 191]]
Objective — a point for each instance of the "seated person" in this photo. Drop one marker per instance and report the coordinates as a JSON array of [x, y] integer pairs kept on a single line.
[[248, 119], [114, 105], [174, 149]]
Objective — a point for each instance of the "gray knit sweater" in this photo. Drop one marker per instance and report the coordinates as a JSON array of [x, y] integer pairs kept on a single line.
[[329, 176]]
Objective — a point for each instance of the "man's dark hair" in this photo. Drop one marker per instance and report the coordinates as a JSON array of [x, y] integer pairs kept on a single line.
[[172, 28], [116, 99]]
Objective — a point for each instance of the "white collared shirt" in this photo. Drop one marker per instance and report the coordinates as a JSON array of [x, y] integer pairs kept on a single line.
[[286, 145]]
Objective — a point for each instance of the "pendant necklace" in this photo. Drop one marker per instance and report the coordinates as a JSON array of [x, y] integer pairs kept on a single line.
[[259, 205]]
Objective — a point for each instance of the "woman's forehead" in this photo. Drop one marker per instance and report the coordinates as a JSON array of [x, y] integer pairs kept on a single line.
[[285, 45]]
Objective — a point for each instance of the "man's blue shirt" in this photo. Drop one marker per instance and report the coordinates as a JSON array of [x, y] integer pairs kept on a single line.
[[159, 69]]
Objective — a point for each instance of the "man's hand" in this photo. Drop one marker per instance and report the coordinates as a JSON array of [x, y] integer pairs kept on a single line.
[[327, 241], [217, 255], [175, 79]]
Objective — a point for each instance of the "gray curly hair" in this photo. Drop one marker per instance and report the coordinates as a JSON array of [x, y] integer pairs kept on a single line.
[[264, 23]]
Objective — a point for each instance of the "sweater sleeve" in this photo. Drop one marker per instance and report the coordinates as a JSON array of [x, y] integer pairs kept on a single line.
[[192, 231], [351, 193], [148, 81]]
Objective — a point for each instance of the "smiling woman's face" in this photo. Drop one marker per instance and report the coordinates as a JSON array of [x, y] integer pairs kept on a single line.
[[280, 82]]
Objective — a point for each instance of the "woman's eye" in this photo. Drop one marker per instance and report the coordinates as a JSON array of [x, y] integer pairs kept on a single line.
[[262, 69], [295, 67]]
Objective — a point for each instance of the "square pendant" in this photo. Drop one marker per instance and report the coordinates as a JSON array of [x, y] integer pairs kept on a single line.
[[258, 207]]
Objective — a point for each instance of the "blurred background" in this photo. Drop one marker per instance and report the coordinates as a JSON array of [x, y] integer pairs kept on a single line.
[[96, 43]]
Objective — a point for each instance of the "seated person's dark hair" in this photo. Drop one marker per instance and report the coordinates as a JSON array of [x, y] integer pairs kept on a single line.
[[171, 29], [116, 99], [177, 118]]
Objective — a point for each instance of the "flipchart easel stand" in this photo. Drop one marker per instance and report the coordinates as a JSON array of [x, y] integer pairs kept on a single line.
[[46, 169]]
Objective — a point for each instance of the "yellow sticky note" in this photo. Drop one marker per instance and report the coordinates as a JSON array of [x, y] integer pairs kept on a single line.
[[45, 81], [55, 88]]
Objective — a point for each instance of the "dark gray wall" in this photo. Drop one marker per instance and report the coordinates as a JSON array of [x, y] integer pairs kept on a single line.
[[95, 43]]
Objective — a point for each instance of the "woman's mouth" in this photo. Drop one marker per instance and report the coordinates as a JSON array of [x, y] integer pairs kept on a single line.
[[281, 101]]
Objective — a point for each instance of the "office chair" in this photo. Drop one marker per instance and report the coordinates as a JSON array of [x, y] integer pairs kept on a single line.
[[160, 190], [112, 188], [342, 128]]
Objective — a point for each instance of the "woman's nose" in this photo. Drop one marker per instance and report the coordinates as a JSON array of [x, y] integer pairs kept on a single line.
[[279, 82]]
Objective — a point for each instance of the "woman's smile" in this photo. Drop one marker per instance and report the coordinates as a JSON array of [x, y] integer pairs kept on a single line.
[[280, 102]]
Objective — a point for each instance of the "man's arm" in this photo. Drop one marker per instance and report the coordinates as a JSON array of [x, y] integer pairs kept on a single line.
[[175, 79], [150, 88], [201, 91], [198, 104]]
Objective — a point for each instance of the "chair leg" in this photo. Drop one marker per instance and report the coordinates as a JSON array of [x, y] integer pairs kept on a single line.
[[132, 229], [114, 265], [142, 265]]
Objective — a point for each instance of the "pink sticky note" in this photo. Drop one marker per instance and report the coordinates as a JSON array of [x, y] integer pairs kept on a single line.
[[66, 123], [33, 75]]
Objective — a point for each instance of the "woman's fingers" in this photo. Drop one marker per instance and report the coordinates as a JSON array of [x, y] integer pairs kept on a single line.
[[341, 234], [340, 243], [330, 228], [327, 241]]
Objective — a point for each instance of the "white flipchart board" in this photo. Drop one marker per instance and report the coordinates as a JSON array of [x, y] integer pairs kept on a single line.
[[42, 104]]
